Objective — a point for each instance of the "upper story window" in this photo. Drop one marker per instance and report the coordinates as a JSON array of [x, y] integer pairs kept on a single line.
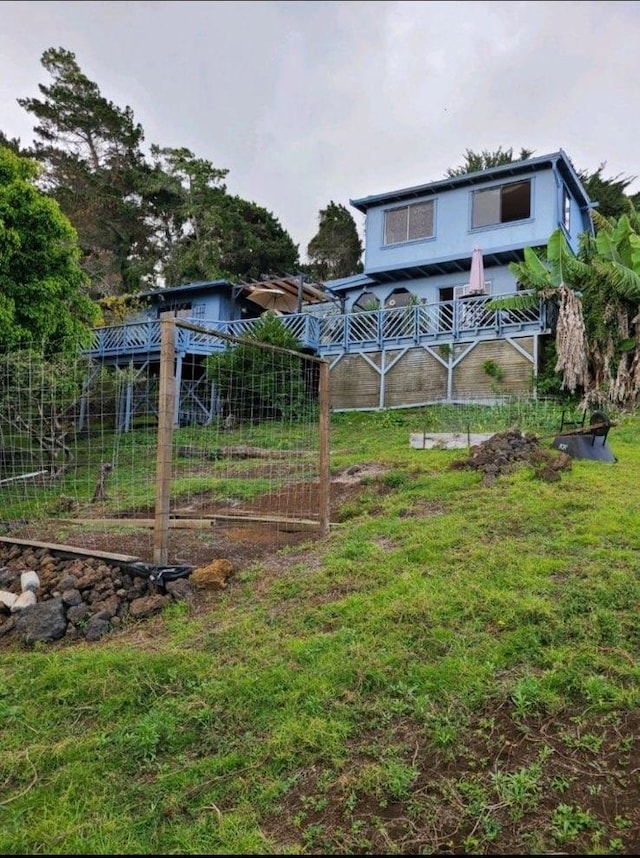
[[408, 223], [503, 204], [566, 210]]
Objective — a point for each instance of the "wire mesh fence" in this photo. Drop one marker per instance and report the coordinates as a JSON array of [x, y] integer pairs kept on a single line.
[[182, 434], [470, 414]]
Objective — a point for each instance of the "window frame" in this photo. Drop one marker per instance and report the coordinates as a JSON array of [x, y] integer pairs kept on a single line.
[[500, 188], [431, 204]]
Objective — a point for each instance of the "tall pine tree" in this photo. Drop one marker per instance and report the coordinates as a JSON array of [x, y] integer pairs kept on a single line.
[[94, 168]]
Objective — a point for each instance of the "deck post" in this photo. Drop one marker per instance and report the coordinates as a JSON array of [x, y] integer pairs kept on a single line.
[[166, 417]]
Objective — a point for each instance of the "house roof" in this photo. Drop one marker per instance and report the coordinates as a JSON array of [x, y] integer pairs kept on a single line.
[[197, 286], [312, 293], [558, 160]]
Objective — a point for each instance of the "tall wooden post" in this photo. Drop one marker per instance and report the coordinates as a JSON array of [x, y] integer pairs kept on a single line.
[[166, 418], [324, 465]]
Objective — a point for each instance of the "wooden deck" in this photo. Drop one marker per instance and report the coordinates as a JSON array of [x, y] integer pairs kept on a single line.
[[461, 321]]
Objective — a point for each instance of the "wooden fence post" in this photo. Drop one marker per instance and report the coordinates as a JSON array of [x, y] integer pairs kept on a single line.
[[166, 418], [324, 464]]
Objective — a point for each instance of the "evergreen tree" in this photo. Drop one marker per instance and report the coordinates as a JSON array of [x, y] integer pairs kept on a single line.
[[336, 250], [204, 233], [477, 161], [94, 168], [609, 194]]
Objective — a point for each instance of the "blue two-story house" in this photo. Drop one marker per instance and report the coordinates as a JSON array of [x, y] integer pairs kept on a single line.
[[419, 243], [411, 329]]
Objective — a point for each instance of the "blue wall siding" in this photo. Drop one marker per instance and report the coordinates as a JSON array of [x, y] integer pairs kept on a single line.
[[454, 237], [427, 289], [204, 305]]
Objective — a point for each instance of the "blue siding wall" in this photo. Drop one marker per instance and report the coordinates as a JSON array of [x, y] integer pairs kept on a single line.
[[209, 302], [454, 236], [427, 289]]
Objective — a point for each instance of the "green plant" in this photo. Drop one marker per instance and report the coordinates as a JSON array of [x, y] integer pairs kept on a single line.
[[520, 790], [493, 370], [264, 380], [568, 821]]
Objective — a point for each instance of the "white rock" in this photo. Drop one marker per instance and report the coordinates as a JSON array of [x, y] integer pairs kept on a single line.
[[29, 581], [7, 598], [24, 600]]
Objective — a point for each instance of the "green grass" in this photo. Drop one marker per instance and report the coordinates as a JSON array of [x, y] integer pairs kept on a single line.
[[453, 669]]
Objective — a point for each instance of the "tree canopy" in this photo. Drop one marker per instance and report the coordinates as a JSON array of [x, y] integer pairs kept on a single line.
[[43, 298], [336, 249], [142, 218], [610, 194], [93, 166], [485, 160]]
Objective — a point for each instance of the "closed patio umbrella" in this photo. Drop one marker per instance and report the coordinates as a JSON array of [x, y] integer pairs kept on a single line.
[[476, 275]]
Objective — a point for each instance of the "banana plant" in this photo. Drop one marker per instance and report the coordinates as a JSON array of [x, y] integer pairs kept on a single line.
[[612, 304], [555, 279]]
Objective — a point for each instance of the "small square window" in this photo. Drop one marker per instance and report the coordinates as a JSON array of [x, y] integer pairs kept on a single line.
[[408, 223]]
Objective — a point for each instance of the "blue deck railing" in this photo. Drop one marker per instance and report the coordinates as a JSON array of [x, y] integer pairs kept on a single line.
[[463, 320]]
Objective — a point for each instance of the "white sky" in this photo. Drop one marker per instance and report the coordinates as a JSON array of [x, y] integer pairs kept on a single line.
[[309, 102]]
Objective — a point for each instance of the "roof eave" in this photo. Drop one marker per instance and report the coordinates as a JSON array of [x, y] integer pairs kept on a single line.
[[515, 168]]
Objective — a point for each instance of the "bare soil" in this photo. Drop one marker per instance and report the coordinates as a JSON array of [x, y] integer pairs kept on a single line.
[[282, 519]]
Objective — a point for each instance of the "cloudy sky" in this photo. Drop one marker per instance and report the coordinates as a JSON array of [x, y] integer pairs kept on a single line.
[[310, 102]]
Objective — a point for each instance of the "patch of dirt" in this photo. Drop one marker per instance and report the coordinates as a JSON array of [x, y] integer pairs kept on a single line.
[[239, 541], [504, 786]]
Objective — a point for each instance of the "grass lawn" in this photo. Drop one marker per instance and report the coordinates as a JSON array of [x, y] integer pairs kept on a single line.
[[453, 670]]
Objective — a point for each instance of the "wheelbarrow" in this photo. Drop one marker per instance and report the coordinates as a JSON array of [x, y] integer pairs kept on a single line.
[[586, 442]]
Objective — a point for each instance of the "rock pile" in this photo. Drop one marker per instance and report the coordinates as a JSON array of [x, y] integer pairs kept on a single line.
[[501, 453], [44, 597]]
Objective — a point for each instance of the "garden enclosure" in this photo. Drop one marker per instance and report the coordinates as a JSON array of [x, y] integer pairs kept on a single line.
[[203, 428]]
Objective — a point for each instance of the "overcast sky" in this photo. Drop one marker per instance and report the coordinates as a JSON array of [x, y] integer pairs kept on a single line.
[[310, 102]]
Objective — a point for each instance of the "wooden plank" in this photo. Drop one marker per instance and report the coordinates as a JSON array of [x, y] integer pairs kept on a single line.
[[185, 524], [70, 549], [303, 523], [193, 523]]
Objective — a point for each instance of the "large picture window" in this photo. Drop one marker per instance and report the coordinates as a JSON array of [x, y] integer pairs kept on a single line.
[[408, 223], [503, 204]]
